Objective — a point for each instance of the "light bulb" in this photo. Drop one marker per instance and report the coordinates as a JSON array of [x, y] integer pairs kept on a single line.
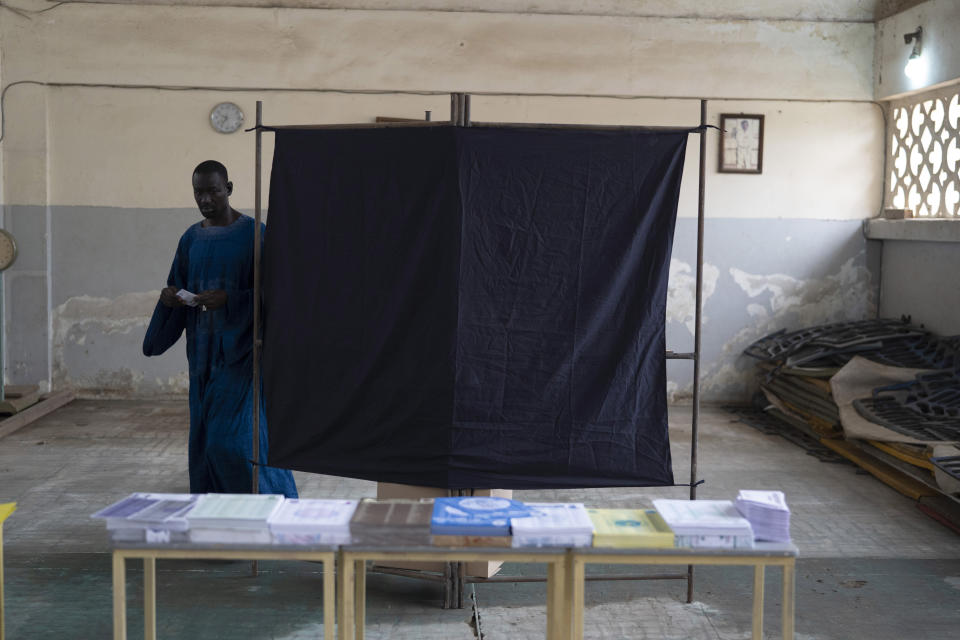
[[916, 67]]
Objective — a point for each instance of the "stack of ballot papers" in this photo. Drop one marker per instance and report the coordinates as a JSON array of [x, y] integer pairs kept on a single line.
[[767, 512], [391, 522], [233, 518], [148, 517], [706, 523], [553, 525], [475, 516], [630, 528], [313, 522]]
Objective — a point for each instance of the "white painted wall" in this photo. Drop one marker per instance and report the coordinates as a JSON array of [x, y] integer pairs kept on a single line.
[[812, 10], [127, 148], [441, 51], [136, 148]]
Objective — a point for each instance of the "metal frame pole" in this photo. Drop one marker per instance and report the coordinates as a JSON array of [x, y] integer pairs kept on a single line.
[[256, 305], [698, 313], [257, 342], [460, 116], [454, 572]]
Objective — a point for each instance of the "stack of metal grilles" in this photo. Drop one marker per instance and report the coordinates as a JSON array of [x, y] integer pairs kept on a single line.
[[917, 416]]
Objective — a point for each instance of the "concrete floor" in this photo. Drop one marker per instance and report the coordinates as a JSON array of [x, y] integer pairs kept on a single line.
[[873, 566]]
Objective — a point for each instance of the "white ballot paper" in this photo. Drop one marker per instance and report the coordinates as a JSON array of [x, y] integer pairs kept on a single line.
[[187, 298], [767, 512]]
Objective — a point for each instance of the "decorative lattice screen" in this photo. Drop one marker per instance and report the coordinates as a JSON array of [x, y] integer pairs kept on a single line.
[[925, 154]]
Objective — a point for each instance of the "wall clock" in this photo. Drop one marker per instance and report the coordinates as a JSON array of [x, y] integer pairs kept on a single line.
[[8, 249], [226, 117]]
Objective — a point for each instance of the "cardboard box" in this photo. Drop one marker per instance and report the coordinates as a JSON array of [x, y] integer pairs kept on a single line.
[[388, 490]]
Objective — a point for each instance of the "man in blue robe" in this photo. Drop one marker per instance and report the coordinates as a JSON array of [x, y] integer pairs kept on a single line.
[[214, 260]]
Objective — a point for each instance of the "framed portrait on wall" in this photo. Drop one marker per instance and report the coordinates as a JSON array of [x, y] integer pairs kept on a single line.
[[741, 143]]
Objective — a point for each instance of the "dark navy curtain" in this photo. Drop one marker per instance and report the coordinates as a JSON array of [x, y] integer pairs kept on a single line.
[[471, 307]]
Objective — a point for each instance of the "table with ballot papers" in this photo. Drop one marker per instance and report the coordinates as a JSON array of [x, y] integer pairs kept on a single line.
[[348, 533]]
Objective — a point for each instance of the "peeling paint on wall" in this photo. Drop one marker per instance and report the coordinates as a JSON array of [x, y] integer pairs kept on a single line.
[[118, 314], [812, 299], [673, 390], [791, 303], [682, 292], [96, 347]]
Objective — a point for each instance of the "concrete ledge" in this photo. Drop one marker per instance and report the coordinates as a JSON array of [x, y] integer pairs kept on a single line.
[[926, 230]]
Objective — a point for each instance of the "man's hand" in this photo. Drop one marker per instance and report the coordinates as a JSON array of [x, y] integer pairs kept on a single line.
[[211, 299], [168, 297]]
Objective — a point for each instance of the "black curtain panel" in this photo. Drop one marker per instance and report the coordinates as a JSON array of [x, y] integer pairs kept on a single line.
[[470, 307]]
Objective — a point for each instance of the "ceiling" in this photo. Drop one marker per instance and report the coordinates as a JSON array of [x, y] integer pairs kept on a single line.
[[804, 10]]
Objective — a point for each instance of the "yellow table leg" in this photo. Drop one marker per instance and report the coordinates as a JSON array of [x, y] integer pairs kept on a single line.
[[329, 599], [551, 595], [150, 599], [360, 597], [345, 581], [576, 596], [788, 599], [2, 632], [119, 597], [558, 623], [758, 571]]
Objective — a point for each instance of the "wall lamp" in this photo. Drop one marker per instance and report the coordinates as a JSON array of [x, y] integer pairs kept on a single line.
[[914, 67]]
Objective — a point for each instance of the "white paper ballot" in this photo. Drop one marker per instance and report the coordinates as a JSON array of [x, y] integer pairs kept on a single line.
[[187, 297]]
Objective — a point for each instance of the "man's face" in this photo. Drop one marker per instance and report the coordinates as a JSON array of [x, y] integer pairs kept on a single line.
[[212, 194]]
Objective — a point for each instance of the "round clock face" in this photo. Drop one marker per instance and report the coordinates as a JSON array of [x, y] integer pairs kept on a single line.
[[226, 117], [8, 249]]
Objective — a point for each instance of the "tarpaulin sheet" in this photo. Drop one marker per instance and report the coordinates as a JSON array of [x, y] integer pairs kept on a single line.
[[470, 307]]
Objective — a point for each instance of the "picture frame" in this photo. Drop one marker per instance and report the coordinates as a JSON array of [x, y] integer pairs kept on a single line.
[[741, 143]]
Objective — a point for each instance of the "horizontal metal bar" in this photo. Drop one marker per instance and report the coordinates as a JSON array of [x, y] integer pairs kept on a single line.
[[439, 577], [614, 576], [361, 125], [594, 576], [589, 127], [507, 125], [673, 355], [408, 573]]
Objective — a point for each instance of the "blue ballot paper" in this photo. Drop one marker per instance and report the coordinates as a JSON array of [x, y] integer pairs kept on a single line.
[[475, 516]]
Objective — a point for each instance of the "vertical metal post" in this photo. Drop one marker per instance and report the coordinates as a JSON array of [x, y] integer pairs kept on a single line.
[[459, 109], [257, 343], [454, 572], [695, 419], [256, 306], [426, 115]]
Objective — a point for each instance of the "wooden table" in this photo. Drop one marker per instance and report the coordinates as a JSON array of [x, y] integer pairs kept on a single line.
[[565, 576], [151, 553], [763, 556], [352, 579]]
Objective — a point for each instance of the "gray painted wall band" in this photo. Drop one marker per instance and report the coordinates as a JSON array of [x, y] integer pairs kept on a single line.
[[108, 264]]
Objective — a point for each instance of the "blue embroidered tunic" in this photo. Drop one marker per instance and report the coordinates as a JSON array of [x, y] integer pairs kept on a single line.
[[220, 354]]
